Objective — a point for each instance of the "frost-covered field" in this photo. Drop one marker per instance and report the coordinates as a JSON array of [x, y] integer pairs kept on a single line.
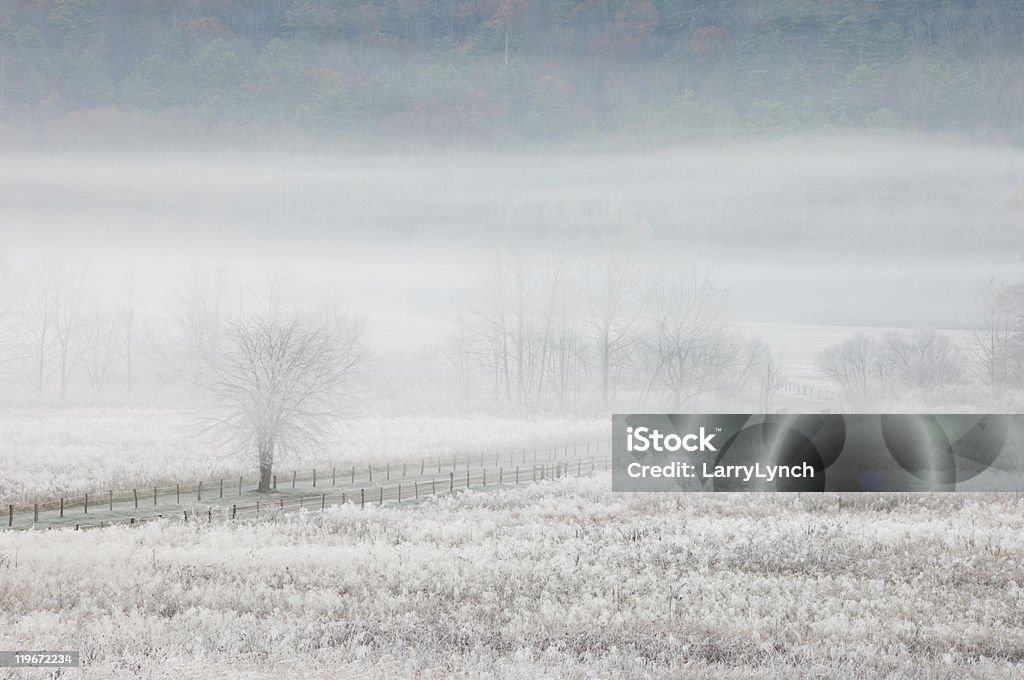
[[48, 453], [556, 580]]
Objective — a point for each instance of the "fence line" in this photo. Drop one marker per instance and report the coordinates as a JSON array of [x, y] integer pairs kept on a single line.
[[809, 391], [130, 499], [378, 495]]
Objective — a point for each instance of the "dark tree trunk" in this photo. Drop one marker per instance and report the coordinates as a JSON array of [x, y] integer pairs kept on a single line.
[[265, 475], [266, 467]]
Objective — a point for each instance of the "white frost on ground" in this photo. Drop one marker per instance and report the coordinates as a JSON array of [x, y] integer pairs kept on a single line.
[[558, 579]]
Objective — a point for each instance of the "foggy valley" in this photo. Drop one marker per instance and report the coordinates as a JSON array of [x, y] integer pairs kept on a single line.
[[314, 316]]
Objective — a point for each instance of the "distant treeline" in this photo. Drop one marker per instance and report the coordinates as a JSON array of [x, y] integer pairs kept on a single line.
[[497, 71]]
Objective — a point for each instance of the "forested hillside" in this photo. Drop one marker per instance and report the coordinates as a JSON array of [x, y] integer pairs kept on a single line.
[[504, 71]]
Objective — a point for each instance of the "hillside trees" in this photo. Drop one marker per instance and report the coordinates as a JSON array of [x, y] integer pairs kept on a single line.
[[591, 64]]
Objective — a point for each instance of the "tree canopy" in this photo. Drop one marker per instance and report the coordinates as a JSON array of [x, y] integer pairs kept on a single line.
[[497, 71]]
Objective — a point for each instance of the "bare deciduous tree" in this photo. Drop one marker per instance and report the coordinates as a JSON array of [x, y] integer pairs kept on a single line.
[[766, 370], [614, 311], [685, 343], [69, 313], [921, 358], [102, 345], [38, 320], [998, 345], [279, 384], [197, 311], [849, 363], [128, 314], [9, 304]]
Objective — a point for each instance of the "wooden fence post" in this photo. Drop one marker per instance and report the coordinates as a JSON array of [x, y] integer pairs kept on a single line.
[[110, 497], [388, 471], [199, 492], [62, 508], [485, 476], [275, 482], [35, 513], [370, 469], [177, 494], [154, 496], [293, 479], [334, 475], [362, 498], [416, 490], [501, 476], [399, 492], [380, 500], [467, 477], [423, 466], [135, 495], [353, 474], [314, 478], [323, 501], [240, 485], [86, 510], [221, 489], [234, 511], [10, 515], [451, 482], [257, 509]]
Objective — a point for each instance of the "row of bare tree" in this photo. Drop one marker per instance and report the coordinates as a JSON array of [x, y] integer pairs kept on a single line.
[[921, 358], [532, 333], [926, 359], [54, 327]]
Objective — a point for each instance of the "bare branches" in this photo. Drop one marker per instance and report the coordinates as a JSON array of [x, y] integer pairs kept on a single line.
[[278, 384], [684, 341], [998, 345], [849, 363]]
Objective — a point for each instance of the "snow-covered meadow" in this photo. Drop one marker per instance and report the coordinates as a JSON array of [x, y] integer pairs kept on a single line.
[[559, 579], [49, 453]]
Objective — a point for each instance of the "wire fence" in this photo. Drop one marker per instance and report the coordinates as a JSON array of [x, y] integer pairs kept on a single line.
[[297, 486], [809, 391], [400, 492]]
